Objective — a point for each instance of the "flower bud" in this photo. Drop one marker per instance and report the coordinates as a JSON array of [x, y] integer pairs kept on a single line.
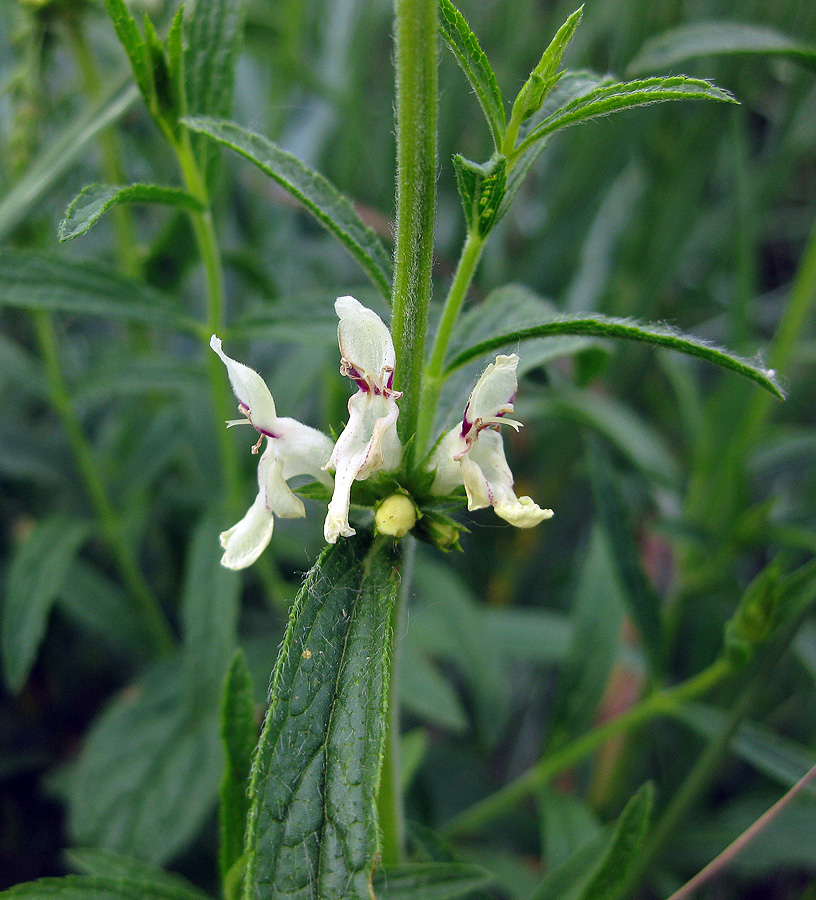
[[396, 515]]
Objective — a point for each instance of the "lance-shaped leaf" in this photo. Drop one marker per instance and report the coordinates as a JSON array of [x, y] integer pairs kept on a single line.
[[715, 38], [33, 582], [465, 47], [93, 201], [42, 281], [320, 197], [600, 326], [239, 735], [312, 830], [627, 839], [134, 45], [611, 98], [545, 74]]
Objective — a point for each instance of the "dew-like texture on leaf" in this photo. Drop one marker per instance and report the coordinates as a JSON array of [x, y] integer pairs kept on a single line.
[[313, 827]]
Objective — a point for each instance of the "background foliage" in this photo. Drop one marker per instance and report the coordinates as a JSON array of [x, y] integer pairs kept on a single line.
[[674, 484]]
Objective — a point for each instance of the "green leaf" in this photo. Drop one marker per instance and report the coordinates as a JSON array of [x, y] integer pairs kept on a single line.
[[31, 280], [133, 873], [464, 45], [565, 881], [129, 36], [481, 188], [33, 581], [568, 824], [545, 75], [59, 156], [428, 694], [210, 607], [716, 38], [638, 593], [614, 97], [600, 326], [627, 839], [313, 826], [596, 621], [214, 32], [89, 887], [322, 199], [148, 774], [239, 734], [93, 201], [430, 881]]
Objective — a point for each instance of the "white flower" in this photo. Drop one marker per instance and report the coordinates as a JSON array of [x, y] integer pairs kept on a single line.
[[369, 442], [473, 454], [292, 448]]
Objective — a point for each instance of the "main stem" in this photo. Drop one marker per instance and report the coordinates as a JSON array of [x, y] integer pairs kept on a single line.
[[415, 48], [659, 703]]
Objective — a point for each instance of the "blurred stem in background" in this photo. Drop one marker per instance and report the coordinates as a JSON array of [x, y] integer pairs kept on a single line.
[[145, 603], [660, 703]]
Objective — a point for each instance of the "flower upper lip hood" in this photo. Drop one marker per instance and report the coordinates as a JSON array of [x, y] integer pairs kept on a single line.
[[473, 453], [369, 442], [292, 449]]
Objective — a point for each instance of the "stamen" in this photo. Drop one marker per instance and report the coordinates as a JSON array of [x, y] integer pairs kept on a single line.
[[257, 446]]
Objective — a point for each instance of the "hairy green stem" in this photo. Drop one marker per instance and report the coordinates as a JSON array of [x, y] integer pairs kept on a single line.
[[416, 60], [389, 800], [144, 602], [656, 704], [462, 278]]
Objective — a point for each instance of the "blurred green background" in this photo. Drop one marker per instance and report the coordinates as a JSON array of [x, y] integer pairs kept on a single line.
[[696, 214]]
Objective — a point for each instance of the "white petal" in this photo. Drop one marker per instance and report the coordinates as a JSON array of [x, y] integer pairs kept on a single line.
[[369, 443], [251, 391], [244, 542], [445, 462], [279, 498], [365, 341], [494, 391], [522, 512]]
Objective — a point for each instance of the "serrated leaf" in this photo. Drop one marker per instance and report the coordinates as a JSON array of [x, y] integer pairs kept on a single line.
[[717, 38], [614, 97], [627, 839], [430, 881], [600, 326], [61, 153], [239, 735], [464, 45], [313, 827], [93, 887], [134, 45], [93, 201], [30, 280], [33, 581], [134, 873], [481, 188], [148, 773], [319, 196], [638, 593], [214, 31]]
